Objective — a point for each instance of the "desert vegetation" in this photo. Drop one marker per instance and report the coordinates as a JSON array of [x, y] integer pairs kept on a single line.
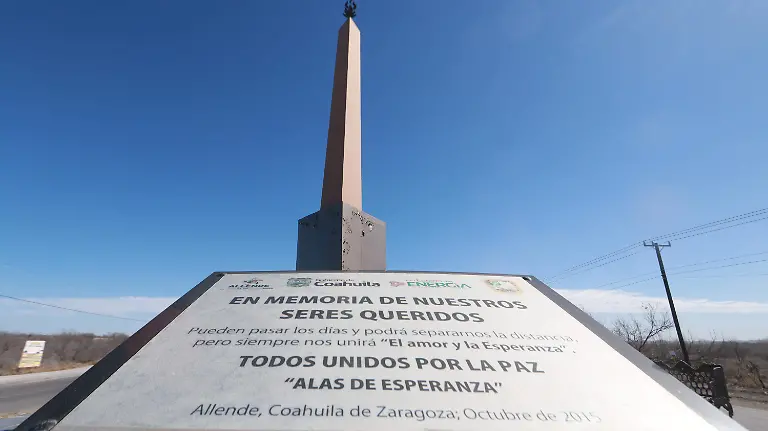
[[745, 362], [62, 351]]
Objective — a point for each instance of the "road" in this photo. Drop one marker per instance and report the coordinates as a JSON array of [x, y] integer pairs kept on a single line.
[[24, 394], [26, 397], [10, 423], [751, 419]]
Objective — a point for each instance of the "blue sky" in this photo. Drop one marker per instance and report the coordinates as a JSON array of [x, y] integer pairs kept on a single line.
[[145, 145]]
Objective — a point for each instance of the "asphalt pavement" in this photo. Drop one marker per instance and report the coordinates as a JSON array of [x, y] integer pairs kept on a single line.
[[28, 397], [750, 418], [23, 394], [11, 423]]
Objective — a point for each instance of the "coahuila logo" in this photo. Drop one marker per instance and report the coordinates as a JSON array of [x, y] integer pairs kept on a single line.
[[348, 282], [506, 286], [430, 283], [252, 283], [299, 282]]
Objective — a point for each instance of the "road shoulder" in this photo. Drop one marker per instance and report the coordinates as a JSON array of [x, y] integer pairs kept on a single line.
[[21, 379]]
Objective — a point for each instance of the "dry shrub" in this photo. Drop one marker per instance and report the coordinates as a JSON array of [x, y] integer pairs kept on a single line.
[[64, 350]]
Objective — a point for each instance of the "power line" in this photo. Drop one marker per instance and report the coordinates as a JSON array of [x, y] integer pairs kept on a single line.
[[763, 274], [715, 230], [636, 282], [689, 271], [714, 223], [677, 235], [571, 274], [598, 259], [683, 266], [625, 279], [722, 266], [70, 309], [719, 260]]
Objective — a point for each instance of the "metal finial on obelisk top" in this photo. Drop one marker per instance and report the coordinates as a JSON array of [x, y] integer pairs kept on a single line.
[[350, 9]]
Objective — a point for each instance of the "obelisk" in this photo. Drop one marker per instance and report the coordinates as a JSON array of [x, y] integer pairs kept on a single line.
[[340, 236]]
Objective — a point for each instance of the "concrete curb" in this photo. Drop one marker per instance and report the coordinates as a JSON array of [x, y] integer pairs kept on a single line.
[[40, 377]]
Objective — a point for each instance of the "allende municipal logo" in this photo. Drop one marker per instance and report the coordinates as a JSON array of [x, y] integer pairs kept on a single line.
[[252, 283], [430, 283], [504, 286]]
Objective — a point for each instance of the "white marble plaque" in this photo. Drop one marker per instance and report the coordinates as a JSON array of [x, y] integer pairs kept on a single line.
[[379, 351]]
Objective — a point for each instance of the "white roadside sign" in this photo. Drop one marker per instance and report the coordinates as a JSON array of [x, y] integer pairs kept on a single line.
[[32, 355], [377, 351]]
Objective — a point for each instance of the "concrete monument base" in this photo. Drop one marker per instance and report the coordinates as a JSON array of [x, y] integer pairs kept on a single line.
[[342, 238]]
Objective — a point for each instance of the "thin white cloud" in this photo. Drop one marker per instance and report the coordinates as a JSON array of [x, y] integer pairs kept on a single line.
[[618, 301], [122, 306], [592, 300]]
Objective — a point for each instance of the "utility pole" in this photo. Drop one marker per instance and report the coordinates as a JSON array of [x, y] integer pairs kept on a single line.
[[658, 248]]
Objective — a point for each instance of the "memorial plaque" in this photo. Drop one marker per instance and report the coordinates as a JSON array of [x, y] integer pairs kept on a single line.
[[376, 351]]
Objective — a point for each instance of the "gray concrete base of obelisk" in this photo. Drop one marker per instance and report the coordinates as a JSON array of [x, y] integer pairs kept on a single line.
[[341, 237]]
